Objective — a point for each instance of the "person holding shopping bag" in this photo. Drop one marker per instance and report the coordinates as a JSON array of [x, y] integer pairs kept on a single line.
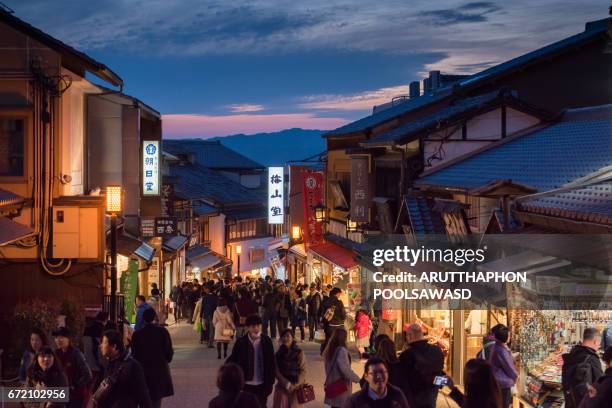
[[223, 320], [290, 371], [338, 371]]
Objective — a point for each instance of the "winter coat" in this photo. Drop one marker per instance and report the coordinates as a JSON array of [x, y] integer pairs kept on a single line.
[[244, 308], [271, 303], [243, 355], [604, 392], [291, 370], [580, 366], [139, 312], [363, 326], [419, 364], [298, 313], [222, 320], [339, 312], [502, 365], [26, 360], [130, 390], [242, 400], [55, 377], [314, 304], [488, 342], [339, 368], [209, 304], [77, 371], [197, 314], [361, 399], [152, 348]]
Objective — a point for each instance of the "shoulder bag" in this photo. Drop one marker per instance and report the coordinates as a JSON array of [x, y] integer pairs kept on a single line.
[[339, 386]]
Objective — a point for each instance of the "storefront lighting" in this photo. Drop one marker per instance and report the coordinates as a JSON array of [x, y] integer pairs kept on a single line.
[[113, 199], [319, 212], [351, 226], [296, 232], [238, 249]]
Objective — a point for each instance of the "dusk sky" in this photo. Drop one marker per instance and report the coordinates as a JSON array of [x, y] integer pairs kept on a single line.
[[222, 67]]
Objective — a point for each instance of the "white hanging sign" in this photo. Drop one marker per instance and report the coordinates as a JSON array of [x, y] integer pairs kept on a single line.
[[276, 206], [150, 167]]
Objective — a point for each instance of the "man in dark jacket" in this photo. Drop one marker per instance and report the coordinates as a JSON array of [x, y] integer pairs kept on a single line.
[[152, 348], [270, 304], [209, 305], [339, 315], [419, 364], [177, 297], [581, 368], [602, 390], [254, 352], [377, 392], [129, 389], [75, 367], [314, 304]]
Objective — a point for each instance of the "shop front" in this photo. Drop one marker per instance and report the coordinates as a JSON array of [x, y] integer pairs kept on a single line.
[[297, 263]]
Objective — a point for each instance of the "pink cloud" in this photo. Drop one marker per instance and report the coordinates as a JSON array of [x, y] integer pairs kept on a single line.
[[194, 125]]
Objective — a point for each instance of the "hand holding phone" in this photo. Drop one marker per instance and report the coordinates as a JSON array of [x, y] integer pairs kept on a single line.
[[440, 380]]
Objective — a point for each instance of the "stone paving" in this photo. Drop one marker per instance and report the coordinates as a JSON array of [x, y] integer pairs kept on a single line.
[[194, 371]]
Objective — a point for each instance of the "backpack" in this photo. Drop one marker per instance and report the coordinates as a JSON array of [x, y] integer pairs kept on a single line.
[[575, 376], [425, 369], [329, 313]]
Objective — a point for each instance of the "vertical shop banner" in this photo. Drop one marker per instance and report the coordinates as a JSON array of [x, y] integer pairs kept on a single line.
[[276, 204], [129, 289], [360, 188], [150, 168], [312, 190]]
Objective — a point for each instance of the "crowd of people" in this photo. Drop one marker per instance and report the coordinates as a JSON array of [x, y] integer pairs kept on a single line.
[[120, 369]]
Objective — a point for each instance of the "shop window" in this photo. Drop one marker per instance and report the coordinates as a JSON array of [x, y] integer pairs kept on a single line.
[[340, 202], [12, 147]]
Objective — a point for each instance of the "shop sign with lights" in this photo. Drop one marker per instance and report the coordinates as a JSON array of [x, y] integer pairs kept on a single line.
[[150, 168]]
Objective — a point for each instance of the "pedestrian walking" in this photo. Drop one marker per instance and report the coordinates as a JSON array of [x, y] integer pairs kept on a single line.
[[141, 306], [581, 368], [291, 371], [176, 295], [75, 367], [313, 300], [124, 384], [244, 306], [377, 391], [283, 307], [602, 389], [333, 314], [270, 303], [387, 352], [230, 381], [91, 347], [45, 371], [339, 375], [209, 305], [298, 313], [363, 328], [223, 321], [420, 363], [38, 340], [254, 353], [152, 348], [502, 364], [481, 389]]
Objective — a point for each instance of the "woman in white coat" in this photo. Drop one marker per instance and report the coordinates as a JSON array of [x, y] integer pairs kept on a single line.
[[339, 374], [223, 320]]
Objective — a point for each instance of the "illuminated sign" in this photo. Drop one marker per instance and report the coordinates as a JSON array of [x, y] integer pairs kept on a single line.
[[276, 205], [150, 168]]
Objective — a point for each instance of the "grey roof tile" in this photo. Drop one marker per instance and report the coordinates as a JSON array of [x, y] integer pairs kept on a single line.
[[211, 154]]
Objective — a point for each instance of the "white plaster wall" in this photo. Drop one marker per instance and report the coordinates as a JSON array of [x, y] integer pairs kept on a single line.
[[216, 231]]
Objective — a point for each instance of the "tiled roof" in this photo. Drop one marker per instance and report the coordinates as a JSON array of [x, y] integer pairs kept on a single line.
[[211, 154], [459, 107], [593, 31], [11, 231], [196, 251], [200, 208], [422, 219], [589, 203], [544, 159], [7, 198], [195, 182], [173, 244]]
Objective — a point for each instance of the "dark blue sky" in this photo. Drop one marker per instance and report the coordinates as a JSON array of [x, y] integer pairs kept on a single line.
[[220, 67]]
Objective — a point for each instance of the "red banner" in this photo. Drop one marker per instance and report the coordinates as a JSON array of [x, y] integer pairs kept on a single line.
[[312, 190]]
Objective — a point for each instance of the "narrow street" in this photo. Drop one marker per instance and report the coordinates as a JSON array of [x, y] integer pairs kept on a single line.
[[194, 371]]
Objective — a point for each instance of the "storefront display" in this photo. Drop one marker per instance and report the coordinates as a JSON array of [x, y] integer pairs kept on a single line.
[[541, 337]]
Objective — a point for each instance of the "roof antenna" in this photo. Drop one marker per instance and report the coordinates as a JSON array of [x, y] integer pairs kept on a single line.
[[6, 8]]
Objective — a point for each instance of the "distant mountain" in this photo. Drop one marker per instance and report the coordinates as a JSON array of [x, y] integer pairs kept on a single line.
[[276, 148]]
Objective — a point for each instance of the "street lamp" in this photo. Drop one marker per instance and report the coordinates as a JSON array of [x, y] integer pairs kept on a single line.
[[238, 252], [113, 206], [319, 212], [296, 232]]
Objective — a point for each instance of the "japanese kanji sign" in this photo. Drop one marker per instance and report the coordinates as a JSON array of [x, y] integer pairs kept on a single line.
[[360, 189], [276, 204], [312, 190], [150, 168], [147, 227], [165, 226]]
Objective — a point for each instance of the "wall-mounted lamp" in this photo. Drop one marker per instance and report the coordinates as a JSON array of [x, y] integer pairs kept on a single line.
[[319, 212]]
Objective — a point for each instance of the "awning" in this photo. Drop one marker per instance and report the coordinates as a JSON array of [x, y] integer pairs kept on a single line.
[[197, 251], [335, 254], [128, 246], [299, 249], [174, 244], [282, 242], [206, 261], [9, 199], [11, 231]]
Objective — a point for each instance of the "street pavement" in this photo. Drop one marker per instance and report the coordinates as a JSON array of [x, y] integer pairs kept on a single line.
[[194, 371]]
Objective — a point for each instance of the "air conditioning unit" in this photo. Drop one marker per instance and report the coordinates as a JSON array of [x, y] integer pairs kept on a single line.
[[78, 228]]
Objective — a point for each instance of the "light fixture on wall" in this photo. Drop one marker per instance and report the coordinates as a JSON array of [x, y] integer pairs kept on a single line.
[[351, 226], [319, 212], [296, 232]]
